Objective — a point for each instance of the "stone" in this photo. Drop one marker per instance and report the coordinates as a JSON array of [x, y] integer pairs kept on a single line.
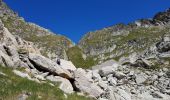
[[22, 97], [65, 84], [34, 71], [67, 65], [124, 94], [23, 64], [21, 74], [95, 75], [89, 74], [163, 47], [143, 63], [168, 73], [45, 64], [164, 55], [156, 95], [104, 78], [166, 38], [131, 73], [112, 81], [40, 77], [103, 84], [117, 94], [12, 52], [133, 91], [8, 38], [165, 69], [154, 77], [167, 92], [102, 99], [144, 96], [140, 78], [119, 75], [160, 74], [2, 48], [129, 60], [112, 63], [45, 74], [83, 84], [6, 60], [1, 73], [106, 71]]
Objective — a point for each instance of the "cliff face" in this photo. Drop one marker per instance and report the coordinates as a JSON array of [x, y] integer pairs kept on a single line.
[[50, 44]]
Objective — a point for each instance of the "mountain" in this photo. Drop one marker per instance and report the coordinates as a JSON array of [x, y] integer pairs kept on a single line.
[[122, 40], [121, 62], [50, 44]]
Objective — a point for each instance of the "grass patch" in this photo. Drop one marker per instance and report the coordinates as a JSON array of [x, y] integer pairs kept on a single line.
[[75, 55], [12, 86]]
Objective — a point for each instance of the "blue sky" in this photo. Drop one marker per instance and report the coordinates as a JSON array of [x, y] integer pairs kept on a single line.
[[74, 18]]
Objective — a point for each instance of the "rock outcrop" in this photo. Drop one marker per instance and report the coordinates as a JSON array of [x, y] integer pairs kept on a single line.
[[85, 84], [16, 52], [48, 65]]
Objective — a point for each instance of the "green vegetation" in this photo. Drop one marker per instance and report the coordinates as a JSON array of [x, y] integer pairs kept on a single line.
[[50, 43], [76, 56], [137, 40], [12, 86]]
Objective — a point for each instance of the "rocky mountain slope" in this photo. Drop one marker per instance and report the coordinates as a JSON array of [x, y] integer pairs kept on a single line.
[[50, 44], [126, 62], [122, 40], [26, 61]]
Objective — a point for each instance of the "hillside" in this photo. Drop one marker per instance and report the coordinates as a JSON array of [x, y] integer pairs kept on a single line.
[[122, 40], [14, 87], [50, 44]]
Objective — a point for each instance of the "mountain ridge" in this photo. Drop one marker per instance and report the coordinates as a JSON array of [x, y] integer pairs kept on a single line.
[[92, 47]]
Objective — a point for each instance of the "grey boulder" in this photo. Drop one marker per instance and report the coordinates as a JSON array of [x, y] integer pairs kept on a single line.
[[83, 84], [65, 84], [43, 63]]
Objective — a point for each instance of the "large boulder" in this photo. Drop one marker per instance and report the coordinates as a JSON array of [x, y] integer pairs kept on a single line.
[[104, 71], [68, 65], [13, 53], [112, 63], [130, 59], [42, 63], [85, 85], [106, 68], [140, 78], [143, 63], [95, 75], [7, 38], [119, 75], [65, 84]]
